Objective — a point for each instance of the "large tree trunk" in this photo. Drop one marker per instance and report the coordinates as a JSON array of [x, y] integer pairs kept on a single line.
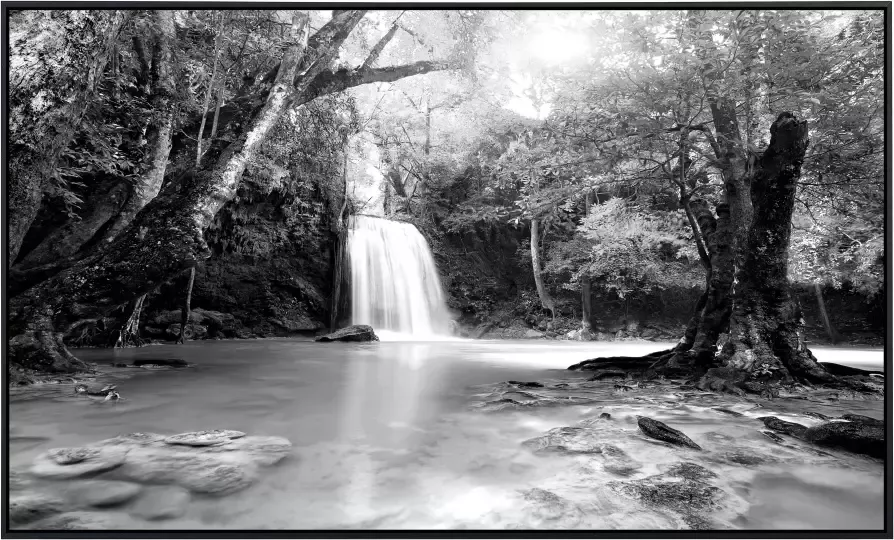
[[761, 316], [545, 299], [38, 137], [765, 327], [165, 239]]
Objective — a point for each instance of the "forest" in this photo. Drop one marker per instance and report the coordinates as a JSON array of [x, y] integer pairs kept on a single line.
[[351, 268], [609, 157]]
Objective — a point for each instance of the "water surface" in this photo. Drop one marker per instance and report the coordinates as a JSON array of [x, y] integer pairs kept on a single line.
[[384, 436]]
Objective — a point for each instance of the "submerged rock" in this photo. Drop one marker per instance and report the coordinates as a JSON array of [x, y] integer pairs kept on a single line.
[[62, 463], [789, 428], [170, 362], [663, 432], [102, 492], [212, 473], [690, 471], [25, 508], [82, 521], [162, 502], [691, 498], [570, 440], [261, 450], [856, 435], [357, 332], [545, 509], [521, 384], [204, 438], [584, 441], [602, 374]]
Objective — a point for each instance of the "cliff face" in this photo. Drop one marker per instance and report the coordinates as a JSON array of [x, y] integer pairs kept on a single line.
[[270, 273]]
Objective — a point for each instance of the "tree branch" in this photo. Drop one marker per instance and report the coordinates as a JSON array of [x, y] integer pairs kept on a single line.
[[337, 81], [380, 46]]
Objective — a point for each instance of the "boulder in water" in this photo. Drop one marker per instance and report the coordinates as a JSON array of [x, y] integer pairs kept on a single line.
[[62, 463], [212, 473], [204, 438], [546, 510], [781, 426], [682, 489], [860, 434], [27, 507], [357, 332], [663, 432], [170, 362], [102, 492], [83, 521], [162, 502]]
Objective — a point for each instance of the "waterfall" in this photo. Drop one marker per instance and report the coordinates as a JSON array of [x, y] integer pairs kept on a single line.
[[394, 281]]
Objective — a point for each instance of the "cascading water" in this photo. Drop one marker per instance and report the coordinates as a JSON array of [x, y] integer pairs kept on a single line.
[[394, 281]]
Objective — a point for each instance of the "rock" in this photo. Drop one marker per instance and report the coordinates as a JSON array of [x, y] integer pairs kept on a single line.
[[204, 438], [533, 334], [608, 374], [781, 426], [90, 460], [860, 436], [862, 419], [582, 440], [261, 450], [25, 508], [663, 432], [690, 471], [545, 509], [102, 492], [568, 440], [682, 495], [201, 472], [18, 481], [82, 521], [605, 416], [193, 331], [357, 332], [527, 384], [171, 362], [162, 502], [741, 458], [816, 415], [132, 439], [68, 456], [632, 327], [728, 411], [772, 436]]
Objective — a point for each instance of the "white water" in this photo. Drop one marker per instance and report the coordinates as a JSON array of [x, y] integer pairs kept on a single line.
[[395, 286]]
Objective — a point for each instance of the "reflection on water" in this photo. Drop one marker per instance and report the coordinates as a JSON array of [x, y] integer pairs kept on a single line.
[[384, 438]]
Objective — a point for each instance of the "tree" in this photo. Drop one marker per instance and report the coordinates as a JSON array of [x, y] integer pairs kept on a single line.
[[166, 236]]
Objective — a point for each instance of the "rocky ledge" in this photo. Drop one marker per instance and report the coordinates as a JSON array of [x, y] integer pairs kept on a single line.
[[147, 475]]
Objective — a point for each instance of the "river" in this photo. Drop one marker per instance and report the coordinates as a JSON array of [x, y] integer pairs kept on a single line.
[[384, 436]]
